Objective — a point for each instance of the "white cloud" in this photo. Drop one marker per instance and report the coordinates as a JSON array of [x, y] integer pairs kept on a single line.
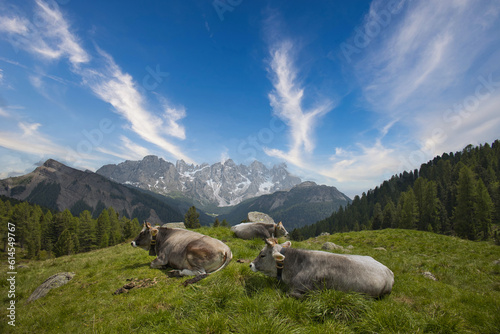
[[365, 164], [127, 151], [28, 139], [49, 37], [287, 103], [119, 89], [422, 72], [15, 25]]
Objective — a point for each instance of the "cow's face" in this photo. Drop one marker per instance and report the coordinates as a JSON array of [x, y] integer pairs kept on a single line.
[[268, 256], [280, 230], [143, 240]]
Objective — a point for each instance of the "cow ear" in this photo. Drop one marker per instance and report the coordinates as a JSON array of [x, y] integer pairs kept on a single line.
[[280, 224], [286, 244], [278, 256], [148, 225]]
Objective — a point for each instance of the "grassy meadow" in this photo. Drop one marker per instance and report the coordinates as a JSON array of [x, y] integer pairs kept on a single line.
[[465, 298]]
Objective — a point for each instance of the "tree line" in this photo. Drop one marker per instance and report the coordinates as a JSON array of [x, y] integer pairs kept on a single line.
[[43, 233], [455, 194]]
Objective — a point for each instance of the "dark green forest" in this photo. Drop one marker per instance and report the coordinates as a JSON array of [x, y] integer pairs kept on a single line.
[[453, 194], [43, 233]]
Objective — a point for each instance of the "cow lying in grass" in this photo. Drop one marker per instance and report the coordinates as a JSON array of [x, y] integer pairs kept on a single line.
[[249, 231], [305, 270], [188, 253]]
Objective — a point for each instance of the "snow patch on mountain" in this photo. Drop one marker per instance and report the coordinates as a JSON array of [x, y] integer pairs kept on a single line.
[[222, 184]]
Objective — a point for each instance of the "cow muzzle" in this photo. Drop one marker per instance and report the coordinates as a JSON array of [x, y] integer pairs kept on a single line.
[[133, 244], [252, 266]]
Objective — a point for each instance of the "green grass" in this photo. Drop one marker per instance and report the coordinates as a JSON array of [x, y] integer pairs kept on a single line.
[[464, 299]]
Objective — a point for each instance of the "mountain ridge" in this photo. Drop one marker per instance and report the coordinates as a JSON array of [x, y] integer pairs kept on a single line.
[[217, 185], [59, 187], [304, 204]]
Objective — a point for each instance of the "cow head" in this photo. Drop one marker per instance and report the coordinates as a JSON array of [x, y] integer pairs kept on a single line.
[[269, 256], [144, 238], [280, 231]]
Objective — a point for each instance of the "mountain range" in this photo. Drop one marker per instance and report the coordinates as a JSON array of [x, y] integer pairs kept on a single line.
[[304, 204], [208, 186], [59, 187], [158, 191]]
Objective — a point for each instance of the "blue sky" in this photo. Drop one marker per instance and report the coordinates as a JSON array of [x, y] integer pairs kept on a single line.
[[347, 93]]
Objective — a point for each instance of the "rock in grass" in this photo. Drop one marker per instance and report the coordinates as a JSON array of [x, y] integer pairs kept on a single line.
[[52, 282], [429, 275], [330, 245]]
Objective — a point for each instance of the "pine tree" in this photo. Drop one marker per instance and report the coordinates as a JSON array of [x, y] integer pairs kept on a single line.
[[389, 215], [20, 217], [191, 218], [87, 235], [34, 234], [115, 233], [64, 245], [216, 223], [483, 209], [378, 218], [407, 210], [464, 222], [46, 226], [103, 227], [5, 218]]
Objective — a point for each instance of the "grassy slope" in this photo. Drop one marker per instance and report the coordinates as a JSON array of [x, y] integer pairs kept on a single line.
[[464, 299]]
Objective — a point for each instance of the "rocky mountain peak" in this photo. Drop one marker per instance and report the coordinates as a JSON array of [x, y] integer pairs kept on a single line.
[[221, 184], [306, 184]]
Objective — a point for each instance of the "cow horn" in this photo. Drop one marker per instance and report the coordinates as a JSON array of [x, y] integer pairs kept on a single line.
[[271, 241]]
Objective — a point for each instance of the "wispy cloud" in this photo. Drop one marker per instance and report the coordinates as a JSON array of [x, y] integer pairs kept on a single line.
[[28, 138], [127, 151], [120, 90], [51, 38], [15, 25], [414, 73], [287, 101]]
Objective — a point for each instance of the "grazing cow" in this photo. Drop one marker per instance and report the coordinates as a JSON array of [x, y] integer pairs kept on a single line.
[[249, 231], [188, 252], [305, 270]]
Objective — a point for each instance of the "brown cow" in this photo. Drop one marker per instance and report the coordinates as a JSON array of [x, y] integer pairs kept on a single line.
[[188, 252]]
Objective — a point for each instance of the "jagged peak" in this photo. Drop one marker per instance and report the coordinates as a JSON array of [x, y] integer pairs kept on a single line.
[[51, 163], [306, 184]]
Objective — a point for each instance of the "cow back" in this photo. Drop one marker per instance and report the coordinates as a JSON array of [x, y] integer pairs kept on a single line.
[[253, 230], [306, 270]]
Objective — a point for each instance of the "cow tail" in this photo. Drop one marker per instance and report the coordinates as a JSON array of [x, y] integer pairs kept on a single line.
[[228, 256]]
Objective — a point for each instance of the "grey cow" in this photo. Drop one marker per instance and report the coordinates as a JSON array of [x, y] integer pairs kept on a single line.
[[249, 231], [305, 270], [187, 252]]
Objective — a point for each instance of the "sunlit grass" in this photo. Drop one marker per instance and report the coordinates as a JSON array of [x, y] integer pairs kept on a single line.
[[464, 299]]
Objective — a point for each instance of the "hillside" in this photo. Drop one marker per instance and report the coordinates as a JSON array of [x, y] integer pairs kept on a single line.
[[464, 298], [302, 205], [455, 193], [59, 187]]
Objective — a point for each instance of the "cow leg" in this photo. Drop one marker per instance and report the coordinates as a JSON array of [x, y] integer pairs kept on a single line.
[[296, 293], [187, 272], [159, 262]]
